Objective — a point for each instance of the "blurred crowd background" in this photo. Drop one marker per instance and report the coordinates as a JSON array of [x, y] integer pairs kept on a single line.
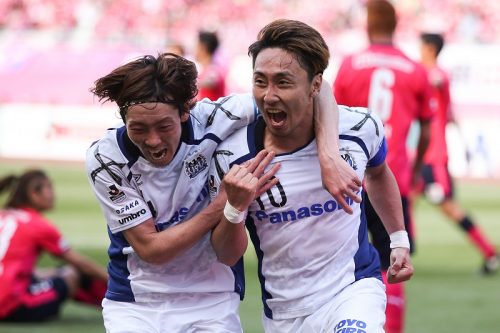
[[51, 51]]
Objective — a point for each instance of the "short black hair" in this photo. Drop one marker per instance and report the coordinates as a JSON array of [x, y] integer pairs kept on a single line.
[[209, 39], [434, 39]]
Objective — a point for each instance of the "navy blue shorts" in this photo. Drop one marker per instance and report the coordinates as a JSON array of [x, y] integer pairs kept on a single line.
[[42, 301]]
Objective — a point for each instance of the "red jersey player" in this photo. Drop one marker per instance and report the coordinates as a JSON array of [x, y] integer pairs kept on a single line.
[[211, 79], [438, 186], [390, 84], [26, 294]]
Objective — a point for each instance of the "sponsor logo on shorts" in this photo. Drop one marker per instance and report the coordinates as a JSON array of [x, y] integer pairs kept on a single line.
[[132, 216], [350, 326], [195, 166]]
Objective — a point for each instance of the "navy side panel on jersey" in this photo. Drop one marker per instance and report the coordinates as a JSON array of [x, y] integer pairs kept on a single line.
[[119, 285]]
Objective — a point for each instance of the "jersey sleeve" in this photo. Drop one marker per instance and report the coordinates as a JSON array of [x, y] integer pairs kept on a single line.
[[427, 107], [122, 203], [224, 116], [49, 238], [372, 133], [219, 166], [378, 144]]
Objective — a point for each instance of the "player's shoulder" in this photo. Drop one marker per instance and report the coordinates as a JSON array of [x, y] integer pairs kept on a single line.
[[209, 116], [358, 121], [108, 139], [239, 142], [204, 108], [351, 114], [109, 147]]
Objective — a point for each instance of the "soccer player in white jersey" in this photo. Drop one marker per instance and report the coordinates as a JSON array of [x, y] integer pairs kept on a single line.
[[150, 178], [317, 269]]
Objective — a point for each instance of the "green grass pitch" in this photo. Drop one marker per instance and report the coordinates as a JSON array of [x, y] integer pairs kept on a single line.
[[446, 295]]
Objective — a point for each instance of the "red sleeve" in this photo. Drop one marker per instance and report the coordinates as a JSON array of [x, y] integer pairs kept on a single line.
[[427, 107], [339, 84], [49, 238], [447, 100]]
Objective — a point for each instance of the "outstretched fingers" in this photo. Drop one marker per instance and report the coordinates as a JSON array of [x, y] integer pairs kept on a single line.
[[258, 164], [267, 180]]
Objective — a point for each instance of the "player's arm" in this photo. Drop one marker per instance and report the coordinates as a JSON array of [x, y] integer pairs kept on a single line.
[[242, 184], [84, 264], [338, 177], [149, 244], [423, 143], [385, 197], [160, 247]]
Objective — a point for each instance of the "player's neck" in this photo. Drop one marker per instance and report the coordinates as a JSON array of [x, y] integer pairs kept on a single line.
[[429, 62], [286, 144], [381, 39]]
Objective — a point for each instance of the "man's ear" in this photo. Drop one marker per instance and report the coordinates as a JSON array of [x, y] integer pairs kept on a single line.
[[316, 84], [184, 117]]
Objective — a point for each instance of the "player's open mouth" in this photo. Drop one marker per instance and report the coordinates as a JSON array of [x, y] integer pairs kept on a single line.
[[159, 154], [276, 117]]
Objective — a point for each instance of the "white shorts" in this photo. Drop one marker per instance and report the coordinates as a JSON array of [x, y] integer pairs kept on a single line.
[[207, 313], [358, 308]]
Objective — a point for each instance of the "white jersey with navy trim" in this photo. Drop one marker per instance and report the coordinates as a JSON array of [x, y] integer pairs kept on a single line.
[[130, 190], [308, 248]]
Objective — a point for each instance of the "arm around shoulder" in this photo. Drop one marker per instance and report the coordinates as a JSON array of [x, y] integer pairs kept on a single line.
[[385, 197]]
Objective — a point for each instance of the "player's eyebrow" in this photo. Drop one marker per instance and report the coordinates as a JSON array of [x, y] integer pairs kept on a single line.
[[283, 74]]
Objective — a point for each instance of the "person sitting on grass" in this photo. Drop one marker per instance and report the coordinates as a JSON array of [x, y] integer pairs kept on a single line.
[[27, 293]]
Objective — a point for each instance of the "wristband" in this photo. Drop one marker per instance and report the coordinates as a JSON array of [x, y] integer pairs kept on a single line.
[[400, 239], [233, 215]]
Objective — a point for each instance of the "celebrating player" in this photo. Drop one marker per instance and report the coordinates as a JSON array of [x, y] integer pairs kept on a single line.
[[395, 88], [150, 178], [27, 293], [438, 185], [317, 269]]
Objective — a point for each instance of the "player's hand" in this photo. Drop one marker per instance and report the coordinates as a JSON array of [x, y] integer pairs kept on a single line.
[[243, 183], [341, 181], [401, 268]]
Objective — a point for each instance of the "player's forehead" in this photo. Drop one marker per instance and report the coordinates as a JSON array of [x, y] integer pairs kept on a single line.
[[277, 62], [151, 113]]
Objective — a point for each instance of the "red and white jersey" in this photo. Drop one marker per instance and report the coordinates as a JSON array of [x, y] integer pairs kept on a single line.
[[393, 86], [437, 152], [130, 190], [24, 235], [308, 248]]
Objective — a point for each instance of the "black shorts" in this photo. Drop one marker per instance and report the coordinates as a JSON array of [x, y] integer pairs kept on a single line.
[[438, 184], [379, 236], [42, 301]]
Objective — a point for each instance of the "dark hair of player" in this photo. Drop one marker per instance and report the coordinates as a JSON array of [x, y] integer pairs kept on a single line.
[[297, 38], [209, 40], [168, 78], [433, 39], [19, 187]]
